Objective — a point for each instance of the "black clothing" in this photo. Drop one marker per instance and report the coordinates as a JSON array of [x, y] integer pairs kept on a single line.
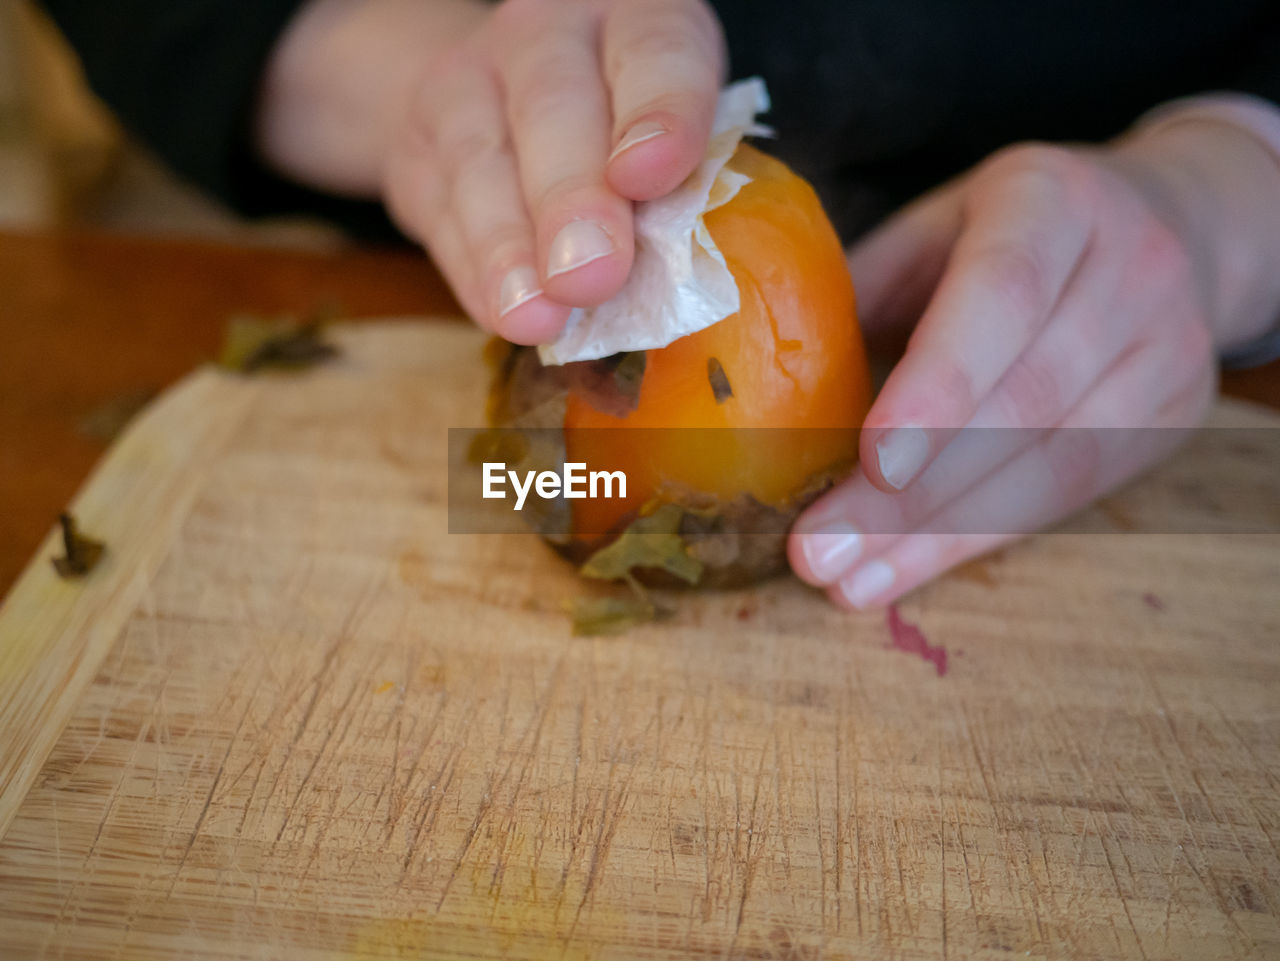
[[874, 100], [182, 76], [877, 100]]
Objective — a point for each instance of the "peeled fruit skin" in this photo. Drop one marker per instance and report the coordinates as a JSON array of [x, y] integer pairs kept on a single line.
[[792, 355]]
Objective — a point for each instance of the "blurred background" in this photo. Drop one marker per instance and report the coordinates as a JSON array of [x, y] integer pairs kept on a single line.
[[116, 279], [64, 161]]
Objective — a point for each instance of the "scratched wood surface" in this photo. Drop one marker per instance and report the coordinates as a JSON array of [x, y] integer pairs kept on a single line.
[[291, 717]]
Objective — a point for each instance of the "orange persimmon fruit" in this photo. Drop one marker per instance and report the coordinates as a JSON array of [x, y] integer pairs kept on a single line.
[[761, 408]]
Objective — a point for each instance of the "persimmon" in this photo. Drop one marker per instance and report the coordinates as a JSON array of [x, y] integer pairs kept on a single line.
[[742, 422]]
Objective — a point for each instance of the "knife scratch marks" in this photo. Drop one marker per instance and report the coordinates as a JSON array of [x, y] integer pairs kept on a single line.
[[400, 789], [703, 768], [756, 841], [395, 725], [525, 747], [610, 817], [837, 815], [92, 853], [319, 686], [427, 813], [579, 726], [596, 815], [208, 801], [346, 716], [786, 819]]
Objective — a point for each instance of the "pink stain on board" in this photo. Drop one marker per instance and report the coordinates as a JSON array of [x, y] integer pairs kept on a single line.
[[909, 638]]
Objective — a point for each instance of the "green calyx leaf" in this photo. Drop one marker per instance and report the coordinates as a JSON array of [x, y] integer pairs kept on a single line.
[[651, 541]]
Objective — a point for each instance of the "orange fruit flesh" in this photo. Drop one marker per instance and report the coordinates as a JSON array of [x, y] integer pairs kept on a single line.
[[792, 355]]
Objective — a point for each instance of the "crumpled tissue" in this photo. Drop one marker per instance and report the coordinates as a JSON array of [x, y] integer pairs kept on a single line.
[[679, 282]]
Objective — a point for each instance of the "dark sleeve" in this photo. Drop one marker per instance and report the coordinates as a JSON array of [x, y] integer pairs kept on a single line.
[[182, 76], [876, 100]]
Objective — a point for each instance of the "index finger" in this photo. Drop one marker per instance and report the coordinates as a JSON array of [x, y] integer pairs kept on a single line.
[[558, 112], [1026, 229], [664, 63]]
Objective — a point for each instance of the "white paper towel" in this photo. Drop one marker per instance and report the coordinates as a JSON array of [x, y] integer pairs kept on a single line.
[[679, 282]]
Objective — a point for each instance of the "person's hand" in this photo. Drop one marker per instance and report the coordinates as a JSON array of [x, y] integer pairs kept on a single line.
[[1053, 288], [510, 139], [525, 145]]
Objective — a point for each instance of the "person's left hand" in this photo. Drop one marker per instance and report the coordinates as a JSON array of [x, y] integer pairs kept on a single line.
[[1054, 288]]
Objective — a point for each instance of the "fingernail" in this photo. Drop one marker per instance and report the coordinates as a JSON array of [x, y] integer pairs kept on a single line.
[[644, 130], [578, 243], [519, 287], [831, 549], [901, 453], [867, 583]]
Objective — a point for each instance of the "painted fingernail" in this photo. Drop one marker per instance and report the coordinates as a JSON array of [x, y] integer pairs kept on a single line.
[[644, 130], [519, 287], [831, 549], [901, 453], [867, 583], [578, 243]]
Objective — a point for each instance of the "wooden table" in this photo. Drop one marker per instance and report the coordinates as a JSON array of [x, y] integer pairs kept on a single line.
[[290, 716], [90, 324]]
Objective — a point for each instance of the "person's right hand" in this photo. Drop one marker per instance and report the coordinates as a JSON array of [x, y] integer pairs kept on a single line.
[[526, 144]]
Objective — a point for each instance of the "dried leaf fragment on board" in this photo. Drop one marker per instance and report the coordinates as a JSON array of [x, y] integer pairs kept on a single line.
[[80, 553], [256, 343], [593, 616]]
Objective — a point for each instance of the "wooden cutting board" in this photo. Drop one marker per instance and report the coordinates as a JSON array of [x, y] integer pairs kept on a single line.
[[290, 716]]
